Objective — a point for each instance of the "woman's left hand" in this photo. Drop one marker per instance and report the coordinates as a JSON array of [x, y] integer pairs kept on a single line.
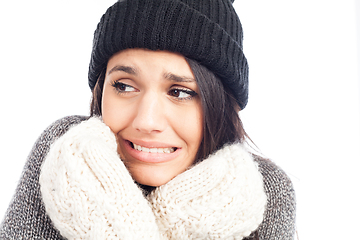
[[220, 198]]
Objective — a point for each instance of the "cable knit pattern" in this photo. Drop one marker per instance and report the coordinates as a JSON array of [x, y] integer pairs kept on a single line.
[[87, 190], [26, 217], [220, 198]]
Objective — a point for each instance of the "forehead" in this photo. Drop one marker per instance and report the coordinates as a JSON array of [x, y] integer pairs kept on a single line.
[[138, 61]]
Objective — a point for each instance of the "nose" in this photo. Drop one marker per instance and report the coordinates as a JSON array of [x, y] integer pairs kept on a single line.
[[150, 114]]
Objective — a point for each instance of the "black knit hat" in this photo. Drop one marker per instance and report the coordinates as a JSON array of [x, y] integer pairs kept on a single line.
[[208, 31]]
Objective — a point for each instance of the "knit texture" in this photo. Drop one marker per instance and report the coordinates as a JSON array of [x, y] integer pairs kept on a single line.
[[220, 198], [89, 193], [87, 190], [208, 31], [26, 217]]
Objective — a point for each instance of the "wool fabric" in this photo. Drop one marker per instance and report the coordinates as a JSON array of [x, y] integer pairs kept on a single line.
[[222, 197], [27, 217], [208, 31], [89, 193], [87, 190]]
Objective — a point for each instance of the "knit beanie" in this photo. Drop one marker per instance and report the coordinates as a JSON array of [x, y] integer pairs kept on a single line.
[[207, 31]]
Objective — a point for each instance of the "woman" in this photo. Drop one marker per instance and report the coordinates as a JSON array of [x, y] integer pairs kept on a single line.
[[162, 155]]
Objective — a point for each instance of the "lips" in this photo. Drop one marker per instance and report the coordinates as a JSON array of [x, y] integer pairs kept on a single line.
[[151, 152]]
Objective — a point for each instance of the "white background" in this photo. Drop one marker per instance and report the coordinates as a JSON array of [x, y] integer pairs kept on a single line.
[[303, 110]]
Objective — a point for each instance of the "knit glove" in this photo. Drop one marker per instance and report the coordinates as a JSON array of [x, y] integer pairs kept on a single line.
[[88, 192], [222, 197]]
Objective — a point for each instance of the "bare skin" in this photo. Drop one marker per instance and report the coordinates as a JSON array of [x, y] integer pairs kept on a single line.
[[152, 104]]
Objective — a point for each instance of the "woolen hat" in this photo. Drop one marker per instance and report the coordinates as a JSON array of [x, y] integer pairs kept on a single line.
[[207, 31]]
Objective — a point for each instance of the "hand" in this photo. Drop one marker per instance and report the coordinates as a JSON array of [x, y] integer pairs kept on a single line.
[[220, 198], [87, 190]]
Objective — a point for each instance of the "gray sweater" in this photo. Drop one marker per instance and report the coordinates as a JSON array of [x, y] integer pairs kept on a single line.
[[26, 217]]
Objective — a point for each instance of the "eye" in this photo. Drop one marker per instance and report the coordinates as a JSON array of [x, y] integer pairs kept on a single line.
[[122, 87], [182, 93]]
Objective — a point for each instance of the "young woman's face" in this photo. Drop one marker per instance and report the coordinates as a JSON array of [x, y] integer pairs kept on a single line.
[[150, 101]]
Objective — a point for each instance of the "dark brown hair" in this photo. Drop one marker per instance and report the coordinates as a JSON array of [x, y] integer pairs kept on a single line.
[[95, 106], [221, 121]]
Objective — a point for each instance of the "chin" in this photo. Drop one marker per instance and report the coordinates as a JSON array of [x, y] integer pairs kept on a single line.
[[153, 178], [152, 181]]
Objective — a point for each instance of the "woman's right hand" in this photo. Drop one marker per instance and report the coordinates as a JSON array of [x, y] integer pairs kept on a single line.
[[87, 190]]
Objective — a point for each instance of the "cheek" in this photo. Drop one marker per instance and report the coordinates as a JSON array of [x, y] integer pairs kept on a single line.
[[112, 111], [190, 129]]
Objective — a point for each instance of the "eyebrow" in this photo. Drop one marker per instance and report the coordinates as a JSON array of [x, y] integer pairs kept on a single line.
[[127, 69], [168, 75], [177, 78]]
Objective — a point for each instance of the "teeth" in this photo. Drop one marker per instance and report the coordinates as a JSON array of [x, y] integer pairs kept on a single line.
[[153, 150]]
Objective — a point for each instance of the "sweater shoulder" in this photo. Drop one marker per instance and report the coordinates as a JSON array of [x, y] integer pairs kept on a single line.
[[275, 178], [279, 218], [26, 217], [48, 136], [60, 126]]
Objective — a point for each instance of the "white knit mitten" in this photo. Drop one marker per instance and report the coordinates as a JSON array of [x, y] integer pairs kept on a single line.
[[87, 190], [220, 198]]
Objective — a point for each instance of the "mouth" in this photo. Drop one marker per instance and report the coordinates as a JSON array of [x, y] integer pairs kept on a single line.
[[152, 150]]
